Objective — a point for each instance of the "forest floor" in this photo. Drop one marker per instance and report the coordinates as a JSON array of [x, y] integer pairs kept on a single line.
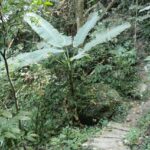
[[112, 137]]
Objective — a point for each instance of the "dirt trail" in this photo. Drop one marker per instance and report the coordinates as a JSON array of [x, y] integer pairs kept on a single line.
[[112, 136]]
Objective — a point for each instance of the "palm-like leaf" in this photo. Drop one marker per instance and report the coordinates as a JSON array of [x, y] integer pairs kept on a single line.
[[101, 38], [106, 36], [25, 59], [80, 55], [85, 29], [46, 31]]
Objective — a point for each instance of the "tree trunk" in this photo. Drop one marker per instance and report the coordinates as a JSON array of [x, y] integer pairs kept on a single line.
[[79, 6]]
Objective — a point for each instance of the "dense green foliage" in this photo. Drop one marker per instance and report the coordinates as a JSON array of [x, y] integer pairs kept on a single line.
[[57, 89]]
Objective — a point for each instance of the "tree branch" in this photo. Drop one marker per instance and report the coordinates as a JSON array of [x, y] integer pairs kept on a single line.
[[3, 54]]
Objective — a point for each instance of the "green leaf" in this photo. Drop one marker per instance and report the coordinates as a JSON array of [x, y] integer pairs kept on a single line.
[[39, 2], [7, 114], [46, 31], [24, 118], [1, 141], [30, 58], [31, 137], [147, 58], [145, 9], [55, 141], [80, 55], [106, 36], [10, 135], [142, 18], [101, 38], [48, 4], [85, 29], [23, 115], [15, 130]]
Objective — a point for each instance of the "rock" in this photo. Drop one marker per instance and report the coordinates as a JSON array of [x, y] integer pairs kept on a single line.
[[101, 103]]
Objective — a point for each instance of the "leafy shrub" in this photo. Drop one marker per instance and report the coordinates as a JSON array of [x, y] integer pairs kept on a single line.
[[113, 66], [132, 138], [139, 137], [120, 112], [71, 138], [11, 136]]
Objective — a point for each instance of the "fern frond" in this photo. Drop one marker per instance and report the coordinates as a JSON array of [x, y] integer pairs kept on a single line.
[[106, 36], [46, 31], [85, 29]]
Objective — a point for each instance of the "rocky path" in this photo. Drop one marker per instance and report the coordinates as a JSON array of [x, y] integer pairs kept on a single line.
[[112, 136]]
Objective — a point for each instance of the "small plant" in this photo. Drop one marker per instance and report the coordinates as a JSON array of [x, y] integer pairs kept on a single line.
[[121, 112], [132, 138], [10, 134], [139, 137], [72, 138]]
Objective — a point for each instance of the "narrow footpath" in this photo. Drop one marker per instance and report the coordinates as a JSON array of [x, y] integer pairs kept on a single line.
[[112, 136]]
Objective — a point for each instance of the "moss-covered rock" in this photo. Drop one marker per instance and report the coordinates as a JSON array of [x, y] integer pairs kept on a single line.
[[101, 102]]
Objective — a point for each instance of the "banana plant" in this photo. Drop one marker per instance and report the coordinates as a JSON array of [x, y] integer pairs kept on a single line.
[[55, 42]]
